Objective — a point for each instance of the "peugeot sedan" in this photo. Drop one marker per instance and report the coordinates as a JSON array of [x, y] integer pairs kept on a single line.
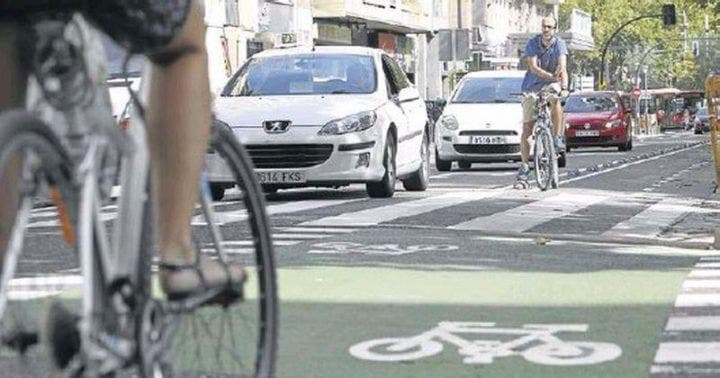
[[326, 116]]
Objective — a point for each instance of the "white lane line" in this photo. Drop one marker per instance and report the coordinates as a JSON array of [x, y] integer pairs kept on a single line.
[[299, 236], [710, 258], [524, 217], [708, 265], [651, 221], [701, 284], [318, 229], [231, 216], [704, 273], [377, 215], [693, 323], [29, 288], [698, 300], [247, 243], [688, 352]]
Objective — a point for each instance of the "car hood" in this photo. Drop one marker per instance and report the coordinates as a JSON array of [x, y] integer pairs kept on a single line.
[[303, 110], [487, 116], [590, 117]]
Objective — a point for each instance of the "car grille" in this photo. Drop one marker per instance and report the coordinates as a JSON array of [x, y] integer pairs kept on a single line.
[[590, 140], [289, 155], [488, 132], [593, 125], [487, 148]]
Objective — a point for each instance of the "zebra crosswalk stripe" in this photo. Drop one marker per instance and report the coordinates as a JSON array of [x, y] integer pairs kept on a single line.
[[525, 217], [649, 222]]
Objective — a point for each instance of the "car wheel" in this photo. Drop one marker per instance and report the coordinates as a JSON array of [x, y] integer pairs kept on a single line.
[[386, 186], [418, 181], [464, 164], [562, 160], [217, 191], [442, 165]]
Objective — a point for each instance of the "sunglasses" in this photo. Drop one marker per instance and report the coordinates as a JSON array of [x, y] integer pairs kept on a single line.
[[548, 27]]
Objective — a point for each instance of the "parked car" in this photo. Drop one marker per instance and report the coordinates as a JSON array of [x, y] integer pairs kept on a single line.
[[326, 116], [701, 123], [482, 122], [597, 119]]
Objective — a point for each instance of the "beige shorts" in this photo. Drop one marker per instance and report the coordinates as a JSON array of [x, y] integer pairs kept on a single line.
[[528, 104]]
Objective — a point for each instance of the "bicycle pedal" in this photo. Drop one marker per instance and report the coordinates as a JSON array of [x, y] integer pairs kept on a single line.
[[521, 184]]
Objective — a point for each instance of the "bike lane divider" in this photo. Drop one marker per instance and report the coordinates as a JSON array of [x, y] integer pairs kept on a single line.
[[388, 315]]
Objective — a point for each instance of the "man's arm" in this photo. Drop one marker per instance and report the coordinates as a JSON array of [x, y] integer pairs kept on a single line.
[[561, 72], [534, 68]]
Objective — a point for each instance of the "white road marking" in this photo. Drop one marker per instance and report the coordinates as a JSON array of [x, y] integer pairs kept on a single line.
[[688, 352], [704, 273], [693, 323], [524, 217], [231, 216], [377, 215], [708, 265], [318, 229], [651, 221], [701, 284], [698, 300]]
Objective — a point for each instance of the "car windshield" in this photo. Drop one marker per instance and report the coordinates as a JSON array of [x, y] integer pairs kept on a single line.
[[302, 74], [590, 104], [489, 90]]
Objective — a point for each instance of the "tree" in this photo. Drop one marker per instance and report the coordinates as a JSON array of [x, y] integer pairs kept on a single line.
[[671, 61]]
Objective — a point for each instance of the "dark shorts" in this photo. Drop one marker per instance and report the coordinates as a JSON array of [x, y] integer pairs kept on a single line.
[[141, 26]]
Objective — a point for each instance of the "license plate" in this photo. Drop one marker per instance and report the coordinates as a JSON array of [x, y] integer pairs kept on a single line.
[[280, 177], [487, 139], [585, 133]]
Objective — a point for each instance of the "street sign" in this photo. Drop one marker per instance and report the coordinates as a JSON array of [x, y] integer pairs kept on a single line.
[[635, 93]]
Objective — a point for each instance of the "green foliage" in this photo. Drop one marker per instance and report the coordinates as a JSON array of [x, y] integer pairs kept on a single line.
[[670, 62]]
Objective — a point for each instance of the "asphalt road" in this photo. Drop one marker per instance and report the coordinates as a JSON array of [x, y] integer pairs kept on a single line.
[[472, 278]]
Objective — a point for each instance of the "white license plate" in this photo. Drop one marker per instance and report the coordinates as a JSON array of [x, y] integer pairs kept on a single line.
[[586, 133], [280, 177], [487, 139]]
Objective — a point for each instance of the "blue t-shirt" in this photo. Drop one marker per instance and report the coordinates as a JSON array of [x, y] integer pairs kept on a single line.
[[547, 59]]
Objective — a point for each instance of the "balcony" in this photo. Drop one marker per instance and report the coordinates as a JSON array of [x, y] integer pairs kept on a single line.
[[402, 16]]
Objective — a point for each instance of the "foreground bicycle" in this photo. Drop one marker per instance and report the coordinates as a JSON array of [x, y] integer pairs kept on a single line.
[[122, 327], [545, 158]]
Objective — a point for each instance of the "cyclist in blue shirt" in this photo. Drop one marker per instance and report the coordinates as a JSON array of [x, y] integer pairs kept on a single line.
[[546, 57]]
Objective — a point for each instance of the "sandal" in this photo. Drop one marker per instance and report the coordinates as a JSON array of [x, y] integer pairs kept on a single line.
[[182, 280]]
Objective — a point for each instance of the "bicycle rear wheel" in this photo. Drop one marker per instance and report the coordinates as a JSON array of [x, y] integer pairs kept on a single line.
[[241, 339], [33, 163], [543, 159]]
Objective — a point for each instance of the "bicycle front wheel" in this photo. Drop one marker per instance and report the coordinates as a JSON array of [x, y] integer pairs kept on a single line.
[[33, 168], [543, 159], [240, 339]]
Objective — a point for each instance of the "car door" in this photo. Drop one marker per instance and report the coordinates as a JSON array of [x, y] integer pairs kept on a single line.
[[413, 115]]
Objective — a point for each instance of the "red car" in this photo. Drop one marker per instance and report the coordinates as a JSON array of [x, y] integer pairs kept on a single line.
[[597, 119]]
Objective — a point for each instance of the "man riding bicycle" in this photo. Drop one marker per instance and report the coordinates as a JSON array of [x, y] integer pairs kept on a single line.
[[172, 35], [546, 57]]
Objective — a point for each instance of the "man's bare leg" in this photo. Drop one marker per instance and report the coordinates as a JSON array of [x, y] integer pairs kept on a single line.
[[178, 126], [12, 95]]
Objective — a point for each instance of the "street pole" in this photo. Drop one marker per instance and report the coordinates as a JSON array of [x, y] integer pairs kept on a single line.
[[603, 66]]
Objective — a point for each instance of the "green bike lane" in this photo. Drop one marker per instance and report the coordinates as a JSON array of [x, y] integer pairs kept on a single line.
[[388, 283]]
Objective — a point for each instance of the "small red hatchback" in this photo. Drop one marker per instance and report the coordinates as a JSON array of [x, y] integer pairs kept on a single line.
[[597, 119]]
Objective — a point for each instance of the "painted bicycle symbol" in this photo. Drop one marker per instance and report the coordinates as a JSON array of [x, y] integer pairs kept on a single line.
[[534, 342], [341, 248]]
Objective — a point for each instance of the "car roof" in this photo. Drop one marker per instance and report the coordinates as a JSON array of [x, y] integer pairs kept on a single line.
[[356, 50], [494, 73]]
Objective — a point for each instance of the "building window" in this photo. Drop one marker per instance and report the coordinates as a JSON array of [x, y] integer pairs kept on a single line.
[[231, 12]]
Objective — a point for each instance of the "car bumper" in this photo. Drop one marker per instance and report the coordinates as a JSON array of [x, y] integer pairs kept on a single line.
[[457, 147], [283, 160], [608, 137]]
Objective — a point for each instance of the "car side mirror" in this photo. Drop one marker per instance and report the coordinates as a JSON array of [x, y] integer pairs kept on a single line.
[[408, 94]]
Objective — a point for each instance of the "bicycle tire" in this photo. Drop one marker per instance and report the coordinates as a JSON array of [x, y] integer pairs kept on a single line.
[[224, 144], [542, 159], [24, 134]]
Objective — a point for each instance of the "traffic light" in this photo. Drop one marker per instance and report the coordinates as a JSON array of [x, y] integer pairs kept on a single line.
[[668, 14]]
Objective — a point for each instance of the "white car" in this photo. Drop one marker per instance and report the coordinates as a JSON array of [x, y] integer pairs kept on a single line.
[[482, 122], [328, 116]]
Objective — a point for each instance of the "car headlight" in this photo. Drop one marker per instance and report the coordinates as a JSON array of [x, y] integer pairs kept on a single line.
[[449, 122], [612, 124], [350, 124]]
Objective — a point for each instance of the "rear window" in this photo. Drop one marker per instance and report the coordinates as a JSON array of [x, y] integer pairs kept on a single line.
[[302, 74], [489, 90], [590, 104]]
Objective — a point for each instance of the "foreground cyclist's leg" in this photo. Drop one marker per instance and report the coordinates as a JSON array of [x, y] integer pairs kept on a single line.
[[557, 123], [178, 126], [12, 95], [528, 123]]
